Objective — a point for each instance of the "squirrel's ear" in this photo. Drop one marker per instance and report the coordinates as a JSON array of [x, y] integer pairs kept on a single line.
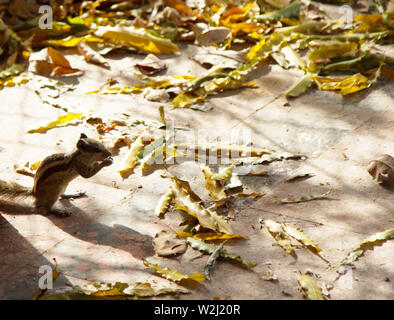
[[83, 136], [80, 144]]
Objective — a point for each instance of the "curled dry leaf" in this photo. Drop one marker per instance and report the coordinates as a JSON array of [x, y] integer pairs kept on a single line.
[[224, 174], [212, 260], [279, 235], [382, 170], [207, 36], [151, 65], [92, 56], [167, 244], [49, 61], [347, 85], [174, 275], [163, 204], [215, 188], [207, 218], [309, 288], [130, 160]]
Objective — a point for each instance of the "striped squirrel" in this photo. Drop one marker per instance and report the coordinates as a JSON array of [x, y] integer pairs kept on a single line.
[[56, 171]]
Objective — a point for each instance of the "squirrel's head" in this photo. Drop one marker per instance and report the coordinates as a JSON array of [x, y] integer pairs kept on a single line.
[[93, 148]]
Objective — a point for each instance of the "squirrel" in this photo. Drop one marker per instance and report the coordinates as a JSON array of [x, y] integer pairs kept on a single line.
[[56, 171]]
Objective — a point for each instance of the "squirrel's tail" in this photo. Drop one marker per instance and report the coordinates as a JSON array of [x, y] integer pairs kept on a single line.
[[13, 190]]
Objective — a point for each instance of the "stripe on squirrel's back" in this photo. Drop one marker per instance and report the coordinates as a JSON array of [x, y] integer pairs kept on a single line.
[[55, 163]]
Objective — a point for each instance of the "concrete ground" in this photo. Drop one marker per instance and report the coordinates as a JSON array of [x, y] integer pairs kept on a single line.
[[111, 230]]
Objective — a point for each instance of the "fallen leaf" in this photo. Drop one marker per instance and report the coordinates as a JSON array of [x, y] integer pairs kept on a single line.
[[163, 204], [209, 248], [206, 35], [276, 230], [309, 288], [322, 196], [300, 86], [212, 260], [49, 61], [346, 85], [215, 188], [375, 240], [174, 275], [136, 37], [92, 56], [225, 59], [138, 289], [167, 244], [208, 236], [224, 174], [151, 65], [130, 160], [301, 237], [207, 218], [59, 121], [382, 170]]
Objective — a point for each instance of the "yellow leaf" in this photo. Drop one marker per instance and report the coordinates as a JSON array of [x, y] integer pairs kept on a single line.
[[279, 235], [175, 275], [207, 218], [224, 174], [368, 23], [130, 160], [300, 86], [309, 288], [163, 204], [346, 85], [207, 236], [329, 49], [136, 37], [59, 121], [215, 188], [300, 236], [72, 41], [186, 99], [157, 157]]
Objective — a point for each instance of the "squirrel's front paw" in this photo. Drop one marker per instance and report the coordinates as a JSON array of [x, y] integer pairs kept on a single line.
[[108, 161]]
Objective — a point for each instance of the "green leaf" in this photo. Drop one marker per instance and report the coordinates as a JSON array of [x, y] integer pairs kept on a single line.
[[287, 12]]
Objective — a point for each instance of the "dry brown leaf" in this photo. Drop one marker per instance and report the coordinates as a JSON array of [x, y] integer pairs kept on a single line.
[[151, 65], [92, 56], [49, 61], [206, 36], [382, 170], [167, 244]]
